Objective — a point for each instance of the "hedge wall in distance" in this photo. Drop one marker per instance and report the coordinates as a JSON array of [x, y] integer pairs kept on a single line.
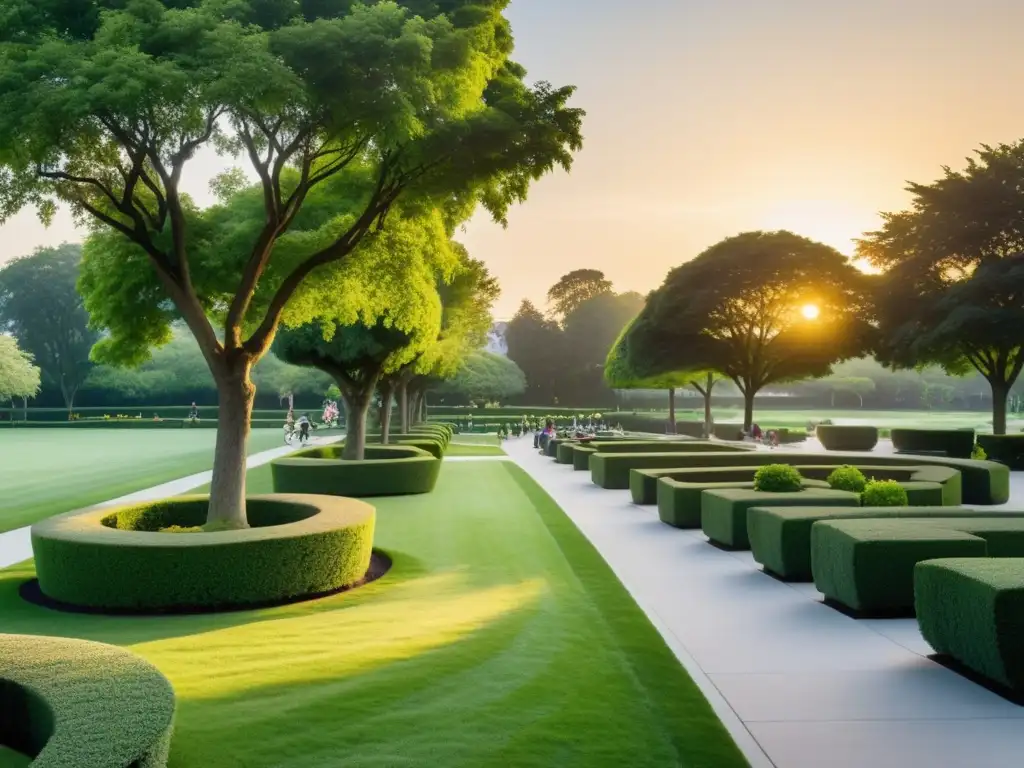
[[955, 443], [297, 546], [68, 702], [387, 470]]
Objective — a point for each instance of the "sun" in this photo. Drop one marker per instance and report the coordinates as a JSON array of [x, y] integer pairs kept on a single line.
[[810, 311]]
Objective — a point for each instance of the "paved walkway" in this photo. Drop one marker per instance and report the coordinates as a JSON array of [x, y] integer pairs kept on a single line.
[[798, 684], [16, 545]]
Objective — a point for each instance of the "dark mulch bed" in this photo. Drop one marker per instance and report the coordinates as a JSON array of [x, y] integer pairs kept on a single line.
[[29, 591]]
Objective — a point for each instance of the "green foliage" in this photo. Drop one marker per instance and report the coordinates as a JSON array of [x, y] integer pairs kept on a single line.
[[978, 453], [778, 478], [486, 377], [575, 289], [847, 478], [969, 609], [18, 376], [387, 470], [86, 703], [735, 309], [322, 545], [41, 307], [182, 529], [535, 344], [884, 493], [954, 278]]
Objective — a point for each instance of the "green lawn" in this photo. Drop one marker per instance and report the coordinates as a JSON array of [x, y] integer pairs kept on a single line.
[[49, 471], [475, 449], [499, 638]]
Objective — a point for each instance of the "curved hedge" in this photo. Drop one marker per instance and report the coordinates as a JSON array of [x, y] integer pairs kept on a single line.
[[839, 438], [1006, 449], [982, 482], [387, 470], [956, 443], [296, 547], [77, 703]]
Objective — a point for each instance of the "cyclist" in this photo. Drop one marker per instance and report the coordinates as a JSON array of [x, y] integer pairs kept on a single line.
[[304, 428]]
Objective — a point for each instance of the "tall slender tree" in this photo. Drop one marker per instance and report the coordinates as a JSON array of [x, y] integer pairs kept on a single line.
[[102, 111]]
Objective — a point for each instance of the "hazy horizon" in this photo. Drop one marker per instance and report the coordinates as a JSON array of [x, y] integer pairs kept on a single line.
[[707, 119]]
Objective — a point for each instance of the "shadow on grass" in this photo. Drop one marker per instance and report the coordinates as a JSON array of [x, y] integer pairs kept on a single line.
[[22, 617]]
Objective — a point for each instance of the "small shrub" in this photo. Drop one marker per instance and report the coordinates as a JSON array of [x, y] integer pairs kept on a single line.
[[884, 493], [847, 478], [778, 478], [978, 453], [182, 529]]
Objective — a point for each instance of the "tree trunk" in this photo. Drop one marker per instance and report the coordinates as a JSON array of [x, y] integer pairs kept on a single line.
[[709, 425], [24, 409], [357, 405], [387, 392], [748, 408], [227, 489], [403, 405], [1000, 393], [833, 398], [672, 411], [861, 398]]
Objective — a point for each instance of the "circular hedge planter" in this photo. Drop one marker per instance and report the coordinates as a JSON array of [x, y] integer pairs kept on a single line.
[[837, 438], [387, 470], [297, 547], [77, 703]]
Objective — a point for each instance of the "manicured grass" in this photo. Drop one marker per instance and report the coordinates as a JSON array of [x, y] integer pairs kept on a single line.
[[500, 637], [11, 759], [48, 471], [474, 449]]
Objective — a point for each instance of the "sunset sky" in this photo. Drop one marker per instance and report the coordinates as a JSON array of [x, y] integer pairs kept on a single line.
[[710, 117]]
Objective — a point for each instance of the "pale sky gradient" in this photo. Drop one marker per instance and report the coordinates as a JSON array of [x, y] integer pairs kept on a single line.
[[710, 117]]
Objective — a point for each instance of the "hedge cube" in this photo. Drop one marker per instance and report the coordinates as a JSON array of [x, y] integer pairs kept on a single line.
[[973, 611], [724, 512], [868, 565], [679, 503], [846, 438], [955, 443]]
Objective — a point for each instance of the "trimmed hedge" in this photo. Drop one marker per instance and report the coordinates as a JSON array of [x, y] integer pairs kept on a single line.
[[297, 546], [387, 470], [982, 482], [926, 486], [611, 470], [71, 702], [723, 513], [780, 537], [849, 438], [581, 457], [955, 443], [971, 610], [868, 565], [1006, 449], [680, 503]]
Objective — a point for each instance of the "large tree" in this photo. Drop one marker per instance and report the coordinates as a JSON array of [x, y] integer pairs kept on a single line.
[[953, 285], [18, 376], [466, 300], [621, 371], [575, 288], [758, 308], [588, 334], [535, 344], [101, 109], [41, 306]]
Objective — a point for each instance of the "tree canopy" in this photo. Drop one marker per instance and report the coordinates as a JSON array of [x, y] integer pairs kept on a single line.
[[385, 104], [739, 309], [485, 377], [18, 376], [40, 305], [574, 289], [953, 282], [535, 345]]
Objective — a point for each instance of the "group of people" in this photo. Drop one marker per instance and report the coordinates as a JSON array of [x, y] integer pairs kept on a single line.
[[769, 438], [301, 426]]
